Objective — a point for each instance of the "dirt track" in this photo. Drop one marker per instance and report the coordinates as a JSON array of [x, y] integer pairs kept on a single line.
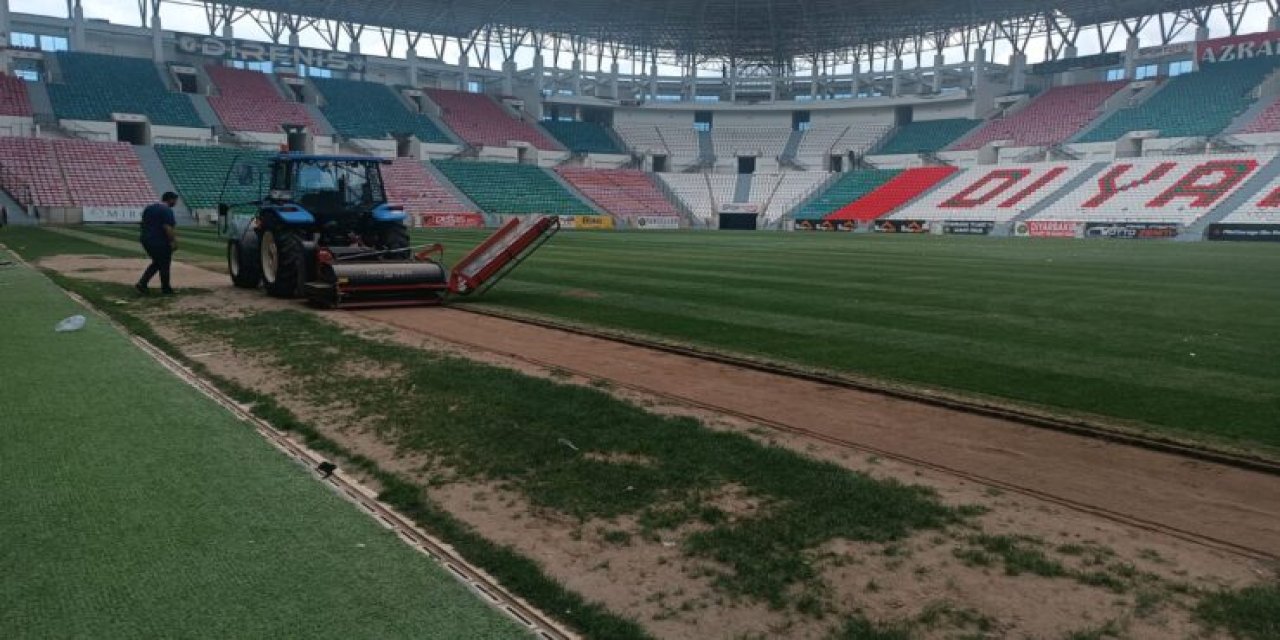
[[1211, 501]]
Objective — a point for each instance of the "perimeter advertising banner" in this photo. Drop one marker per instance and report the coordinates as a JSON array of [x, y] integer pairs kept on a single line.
[[451, 220], [1254, 45], [1245, 232], [113, 214], [1132, 230], [595, 223], [653, 223], [1049, 229], [968, 227], [825, 225], [903, 226]]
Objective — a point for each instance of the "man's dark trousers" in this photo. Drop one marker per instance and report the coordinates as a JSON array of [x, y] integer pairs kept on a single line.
[[161, 258]]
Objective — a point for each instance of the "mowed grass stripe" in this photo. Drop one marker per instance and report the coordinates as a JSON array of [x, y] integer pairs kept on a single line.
[[1175, 335], [135, 507]]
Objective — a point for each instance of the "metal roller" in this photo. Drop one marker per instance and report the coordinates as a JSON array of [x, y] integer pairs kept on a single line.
[[362, 274]]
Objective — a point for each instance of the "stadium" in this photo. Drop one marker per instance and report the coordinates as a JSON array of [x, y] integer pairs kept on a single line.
[[830, 319]]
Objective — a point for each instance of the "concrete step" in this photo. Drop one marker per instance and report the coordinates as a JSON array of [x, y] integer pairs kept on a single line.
[[742, 190], [160, 180], [1071, 185]]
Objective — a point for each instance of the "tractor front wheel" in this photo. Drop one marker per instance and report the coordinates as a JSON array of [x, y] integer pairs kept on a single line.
[[282, 260], [394, 238], [246, 272]]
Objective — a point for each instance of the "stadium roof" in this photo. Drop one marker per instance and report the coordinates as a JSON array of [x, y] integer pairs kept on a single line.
[[760, 30]]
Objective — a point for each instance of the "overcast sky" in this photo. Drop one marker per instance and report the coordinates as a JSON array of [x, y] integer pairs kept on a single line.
[[191, 18]]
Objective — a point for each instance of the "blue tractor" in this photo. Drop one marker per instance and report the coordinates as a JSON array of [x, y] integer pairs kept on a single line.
[[313, 205], [322, 228]]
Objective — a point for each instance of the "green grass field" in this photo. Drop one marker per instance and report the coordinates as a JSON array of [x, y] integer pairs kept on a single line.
[[1175, 336], [1180, 336], [135, 507]]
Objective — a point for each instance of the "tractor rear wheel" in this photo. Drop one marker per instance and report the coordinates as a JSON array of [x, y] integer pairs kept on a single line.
[[245, 270], [394, 238], [283, 269]]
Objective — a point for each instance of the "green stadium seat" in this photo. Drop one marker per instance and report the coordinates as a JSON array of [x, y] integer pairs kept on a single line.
[[198, 173], [512, 189], [849, 188], [583, 137], [372, 110], [1192, 105], [94, 86], [927, 136]]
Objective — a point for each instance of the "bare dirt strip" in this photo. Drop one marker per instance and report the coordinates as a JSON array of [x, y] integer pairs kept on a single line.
[[1211, 501], [1147, 512]]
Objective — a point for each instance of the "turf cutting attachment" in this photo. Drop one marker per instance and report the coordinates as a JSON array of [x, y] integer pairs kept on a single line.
[[361, 277]]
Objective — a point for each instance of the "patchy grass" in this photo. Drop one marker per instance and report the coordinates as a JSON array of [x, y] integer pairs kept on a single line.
[[511, 428], [1252, 613], [1174, 335]]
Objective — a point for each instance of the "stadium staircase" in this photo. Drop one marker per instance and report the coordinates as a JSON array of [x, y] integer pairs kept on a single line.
[[848, 188], [158, 176], [1263, 115], [95, 86], [926, 136], [371, 110], [41, 106], [706, 150], [16, 213], [742, 190], [512, 189], [583, 137], [1237, 201], [898, 192], [1180, 109], [790, 151]]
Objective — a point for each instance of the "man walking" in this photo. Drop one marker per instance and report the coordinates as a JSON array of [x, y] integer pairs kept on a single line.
[[160, 240]]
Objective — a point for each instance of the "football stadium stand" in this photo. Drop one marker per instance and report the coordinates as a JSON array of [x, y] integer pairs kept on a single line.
[[821, 141], [94, 86], [623, 193], [373, 111], [29, 172], [103, 174], [785, 191], [765, 142], [480, 121], [1191, 105], [1051, 118], [247, 101], [1262, 208], [199, 173], [693, 190], [848, 188], [926, 136], [410, 184], [995, 194], [13, 97], [72, 173], [583, 137], [1167, 190], [898, 191], [512, 189]]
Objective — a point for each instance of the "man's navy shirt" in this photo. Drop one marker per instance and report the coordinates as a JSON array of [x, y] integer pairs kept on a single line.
[[154, 219]]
